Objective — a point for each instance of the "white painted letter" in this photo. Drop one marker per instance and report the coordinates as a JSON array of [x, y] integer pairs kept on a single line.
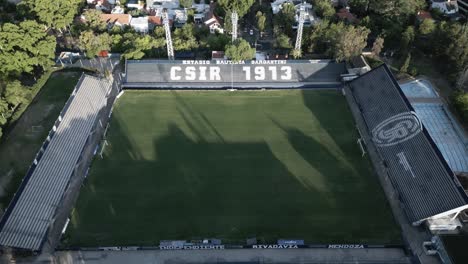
[[173, 76], [287, 73], [202, 76], [259, 73], [214, 74], [190, 74], [246, 69], [273, 72]]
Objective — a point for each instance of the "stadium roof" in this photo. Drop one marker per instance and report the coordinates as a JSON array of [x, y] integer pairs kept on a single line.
[[425, 184], [31, 212]]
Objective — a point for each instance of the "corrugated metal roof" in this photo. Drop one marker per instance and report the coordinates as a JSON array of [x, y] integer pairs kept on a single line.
[[418, 172], [445, 133], [32, 211]]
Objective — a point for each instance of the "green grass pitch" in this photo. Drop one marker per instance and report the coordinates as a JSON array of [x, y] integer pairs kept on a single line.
[[231, 165]]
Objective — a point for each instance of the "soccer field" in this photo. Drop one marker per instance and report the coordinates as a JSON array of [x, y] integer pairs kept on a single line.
[[231, 165]]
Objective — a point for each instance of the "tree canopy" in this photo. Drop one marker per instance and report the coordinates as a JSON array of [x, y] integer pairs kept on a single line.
[[93, 44], [239, 50], [25, 46], [186, 3], [324, 8], [57, 14], [427, 26], [283, 42], [93, 20], [184, 38], [261, 21], [240, 6], [339, 40]]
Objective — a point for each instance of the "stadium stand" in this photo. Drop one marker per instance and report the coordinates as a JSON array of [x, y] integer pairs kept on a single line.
[[160, 74], [32, 211], [426, 186]]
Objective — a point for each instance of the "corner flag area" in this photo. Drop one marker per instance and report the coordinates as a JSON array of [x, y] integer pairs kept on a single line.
[[231, 165]]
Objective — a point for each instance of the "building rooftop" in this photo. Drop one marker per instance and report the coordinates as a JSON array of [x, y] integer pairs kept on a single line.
[[415, 166]]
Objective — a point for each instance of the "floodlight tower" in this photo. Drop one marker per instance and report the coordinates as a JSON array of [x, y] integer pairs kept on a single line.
[[234, 19], [167, 28], [300, 27]]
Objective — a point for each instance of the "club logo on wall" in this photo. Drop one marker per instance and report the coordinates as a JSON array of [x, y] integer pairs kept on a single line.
[[397, 129]]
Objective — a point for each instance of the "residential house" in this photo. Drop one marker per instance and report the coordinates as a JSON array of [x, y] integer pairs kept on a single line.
[[119, 20], [104, 5], [463, 7], [117, 10], [277, 5], [155, 5], [178, 15], [309, 18], [217, 55], [93, 2], [138, 4], [212, 21], [422, 15], [448, 7], [201, 10], [346, 16], [156, 21], [140, 24]]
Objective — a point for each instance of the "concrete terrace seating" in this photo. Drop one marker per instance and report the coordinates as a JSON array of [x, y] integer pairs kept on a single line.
[[26, 222]]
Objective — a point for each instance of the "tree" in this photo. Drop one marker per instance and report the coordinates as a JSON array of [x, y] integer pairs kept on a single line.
[[462, 81], [427, 26], [378, 46], [283, 42], [186, 3], [217, 42], [339, 40], [261, 20], [14, 94], [391, 17], [406, 64], [460, 101], [240, 50], [324, 8], [407, 38], [57, 14], [5, 113], [93, 44], [350, 43], [317, 39], [184, 38], [296, 53], [457, 49], [397, 8], [24, 47], [239, 6], [93, 20], [141, 45], [359, 6], [285, 19]]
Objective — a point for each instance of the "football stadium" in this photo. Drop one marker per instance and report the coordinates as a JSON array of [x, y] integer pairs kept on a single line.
[[191, 154]]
